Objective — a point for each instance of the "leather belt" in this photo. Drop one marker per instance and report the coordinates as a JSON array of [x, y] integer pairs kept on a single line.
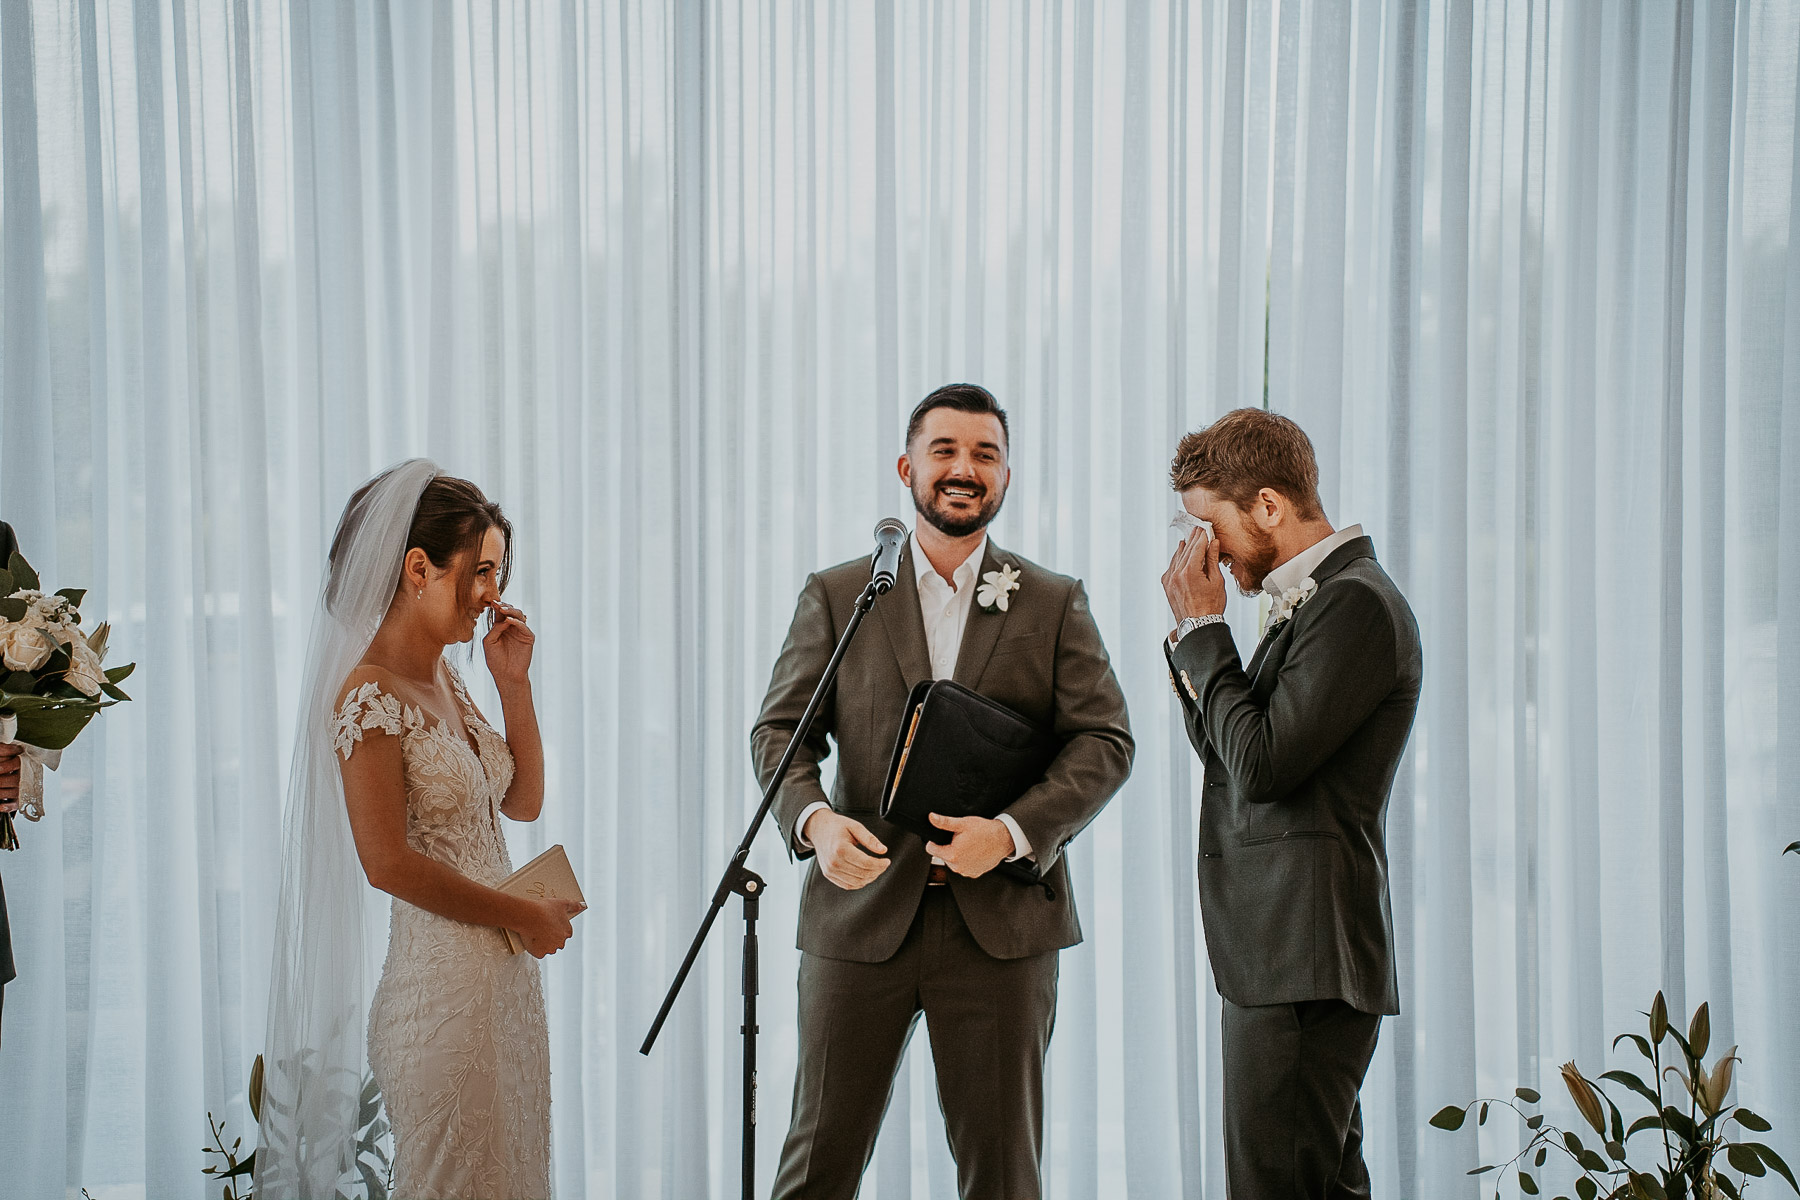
[[939, 875]]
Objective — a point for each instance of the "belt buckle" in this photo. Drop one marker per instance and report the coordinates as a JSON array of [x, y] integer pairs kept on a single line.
[[938, 876]]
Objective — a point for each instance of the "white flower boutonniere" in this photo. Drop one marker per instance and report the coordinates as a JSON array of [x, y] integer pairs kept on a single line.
[[1289, 602], [997, 587]]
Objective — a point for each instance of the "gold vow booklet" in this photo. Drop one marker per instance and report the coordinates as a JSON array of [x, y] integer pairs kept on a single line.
[[546, 877]]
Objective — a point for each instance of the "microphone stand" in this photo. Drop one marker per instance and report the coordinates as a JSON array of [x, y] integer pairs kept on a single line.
[[740, 880]]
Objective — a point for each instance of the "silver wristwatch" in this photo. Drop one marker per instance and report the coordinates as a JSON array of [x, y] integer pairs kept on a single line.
[[1189, 624]]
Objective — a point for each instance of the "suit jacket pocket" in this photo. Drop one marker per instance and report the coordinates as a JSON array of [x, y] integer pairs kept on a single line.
[[1290, 835], [1040, 642]]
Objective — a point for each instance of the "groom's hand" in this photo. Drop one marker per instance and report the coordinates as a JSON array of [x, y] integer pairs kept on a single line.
[[847, 850], [1194, 582], [976, 844]]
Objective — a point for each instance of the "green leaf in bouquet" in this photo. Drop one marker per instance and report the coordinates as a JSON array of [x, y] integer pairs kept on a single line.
[[116, 693], [120, 674], [73, 596], [22, 683], [56, 724], [7, 586], [24, 577], [58, 662], [12, 609]]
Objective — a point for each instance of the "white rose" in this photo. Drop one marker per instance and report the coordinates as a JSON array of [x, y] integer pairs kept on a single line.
[[84, 673], [23, 647], [34, 616]]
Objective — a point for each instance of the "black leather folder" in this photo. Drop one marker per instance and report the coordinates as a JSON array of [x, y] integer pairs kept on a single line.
[[961, 754]]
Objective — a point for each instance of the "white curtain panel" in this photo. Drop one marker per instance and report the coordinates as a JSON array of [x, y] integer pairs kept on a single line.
[[665, 279]]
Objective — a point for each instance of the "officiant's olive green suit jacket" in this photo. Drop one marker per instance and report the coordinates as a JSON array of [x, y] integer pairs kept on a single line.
[[1042, 657]]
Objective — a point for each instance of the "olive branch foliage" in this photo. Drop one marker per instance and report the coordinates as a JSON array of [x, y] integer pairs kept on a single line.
[[373, 1164], [1695, 1128]]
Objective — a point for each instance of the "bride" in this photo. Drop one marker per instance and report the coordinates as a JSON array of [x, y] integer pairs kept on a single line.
[[398, 773]]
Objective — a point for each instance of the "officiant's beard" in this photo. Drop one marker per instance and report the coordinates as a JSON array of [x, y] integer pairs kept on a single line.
[[928, 503]]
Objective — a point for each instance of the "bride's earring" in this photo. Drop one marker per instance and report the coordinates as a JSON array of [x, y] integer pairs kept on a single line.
[[421, 593]]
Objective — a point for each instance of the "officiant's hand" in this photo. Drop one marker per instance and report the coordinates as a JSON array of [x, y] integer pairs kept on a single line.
[[1194, 582], [976, 846], [847, 850], [549, 928], [508, 647], [10, 762]]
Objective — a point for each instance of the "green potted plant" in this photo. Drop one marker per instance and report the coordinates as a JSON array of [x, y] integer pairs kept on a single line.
[[1694, 1145]]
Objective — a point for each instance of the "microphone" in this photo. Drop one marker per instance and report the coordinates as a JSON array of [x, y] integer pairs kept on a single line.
[[884, 564]]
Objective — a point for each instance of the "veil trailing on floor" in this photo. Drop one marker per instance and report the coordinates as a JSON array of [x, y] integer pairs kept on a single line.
[[321, 979]]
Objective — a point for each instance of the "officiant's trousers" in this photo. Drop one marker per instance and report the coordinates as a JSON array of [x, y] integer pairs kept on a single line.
[[989, 1020]]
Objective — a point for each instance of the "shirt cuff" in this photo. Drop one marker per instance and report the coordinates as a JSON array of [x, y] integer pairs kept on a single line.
[[800, 842], [1021, 843]]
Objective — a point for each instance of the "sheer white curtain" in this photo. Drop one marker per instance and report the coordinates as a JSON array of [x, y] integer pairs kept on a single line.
[[666, 277]]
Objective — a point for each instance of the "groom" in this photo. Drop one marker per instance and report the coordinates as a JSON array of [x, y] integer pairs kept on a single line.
[[1299, 752], [890, 926]]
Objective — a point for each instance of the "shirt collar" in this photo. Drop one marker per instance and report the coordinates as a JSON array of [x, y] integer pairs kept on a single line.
[[965, 574], [1290, 573]]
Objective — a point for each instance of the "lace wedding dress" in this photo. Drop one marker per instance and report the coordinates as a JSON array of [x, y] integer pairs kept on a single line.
[[458, 1042]]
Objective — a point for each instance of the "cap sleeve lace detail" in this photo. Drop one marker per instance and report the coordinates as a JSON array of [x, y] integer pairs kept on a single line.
[[365, 708]]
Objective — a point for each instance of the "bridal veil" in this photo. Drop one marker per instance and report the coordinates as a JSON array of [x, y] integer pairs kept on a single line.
[[322, 975]]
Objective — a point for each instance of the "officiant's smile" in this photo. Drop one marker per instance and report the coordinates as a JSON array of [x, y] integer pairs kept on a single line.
[[958, 475]]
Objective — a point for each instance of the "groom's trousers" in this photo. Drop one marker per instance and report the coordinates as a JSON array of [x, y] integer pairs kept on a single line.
[[1293, 1120], [989, 1020]]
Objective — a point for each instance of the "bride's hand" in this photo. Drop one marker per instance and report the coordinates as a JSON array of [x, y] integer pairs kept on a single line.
[[549, 927], [508, 647]]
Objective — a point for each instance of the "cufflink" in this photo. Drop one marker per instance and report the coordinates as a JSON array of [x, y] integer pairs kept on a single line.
[[1189, 685]]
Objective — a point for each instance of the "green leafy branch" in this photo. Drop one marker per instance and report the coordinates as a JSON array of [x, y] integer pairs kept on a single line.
[[374, 1166], [1692, 1139]]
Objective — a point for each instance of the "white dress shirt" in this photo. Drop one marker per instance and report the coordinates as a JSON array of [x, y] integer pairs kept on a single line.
[[944, 605], [1290, 573]]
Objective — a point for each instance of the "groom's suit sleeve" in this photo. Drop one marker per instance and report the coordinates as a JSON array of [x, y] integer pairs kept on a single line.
[[1097, 747], [1342, 663], [1190, 708], [811, 638]]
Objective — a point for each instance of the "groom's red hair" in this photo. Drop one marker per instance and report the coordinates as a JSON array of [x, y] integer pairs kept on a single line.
[[1246, 450]]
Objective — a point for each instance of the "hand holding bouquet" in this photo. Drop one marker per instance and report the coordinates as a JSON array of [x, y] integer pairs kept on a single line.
[[51, 679]]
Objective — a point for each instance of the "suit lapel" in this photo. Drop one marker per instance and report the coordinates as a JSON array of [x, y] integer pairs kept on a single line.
[[1337, 560], [1260, 662], [905, 625], [983, 628]]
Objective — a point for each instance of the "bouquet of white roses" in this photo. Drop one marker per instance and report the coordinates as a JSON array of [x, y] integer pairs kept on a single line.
[[52, 682]]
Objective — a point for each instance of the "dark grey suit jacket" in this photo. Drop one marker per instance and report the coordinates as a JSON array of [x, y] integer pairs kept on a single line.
[[1300, 756], [1043, 658]]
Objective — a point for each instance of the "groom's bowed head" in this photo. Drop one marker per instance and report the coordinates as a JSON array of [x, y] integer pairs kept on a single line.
[[1251, 478]]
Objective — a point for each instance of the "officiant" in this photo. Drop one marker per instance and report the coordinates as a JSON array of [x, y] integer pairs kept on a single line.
[[890, 925], [10, 774]]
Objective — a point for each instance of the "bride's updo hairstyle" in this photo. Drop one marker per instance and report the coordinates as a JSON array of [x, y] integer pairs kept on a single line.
[[453, 516]]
